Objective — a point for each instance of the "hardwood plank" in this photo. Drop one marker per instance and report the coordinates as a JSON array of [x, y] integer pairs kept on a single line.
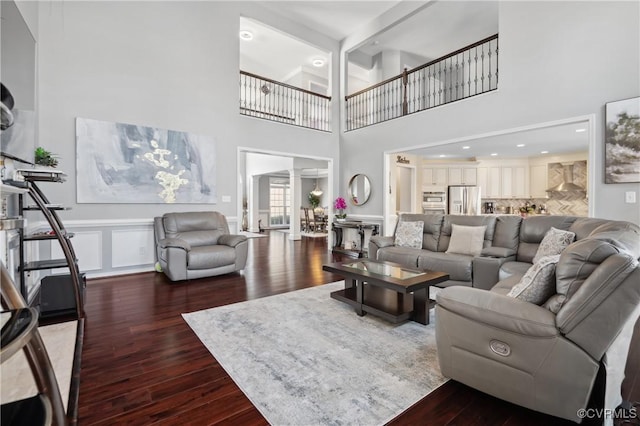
[[142, 364]]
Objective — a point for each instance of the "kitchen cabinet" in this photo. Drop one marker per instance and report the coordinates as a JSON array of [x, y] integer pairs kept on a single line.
[[463, 176], [434, 176], [488, 179], [503, 182], [514, 182], [520, 187], [538, 181], [506, 182]]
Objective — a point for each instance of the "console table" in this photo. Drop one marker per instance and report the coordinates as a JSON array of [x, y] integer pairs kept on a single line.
[[338, 227]]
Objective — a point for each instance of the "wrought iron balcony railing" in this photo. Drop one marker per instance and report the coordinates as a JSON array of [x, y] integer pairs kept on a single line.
[[466, 72], [264, 98]]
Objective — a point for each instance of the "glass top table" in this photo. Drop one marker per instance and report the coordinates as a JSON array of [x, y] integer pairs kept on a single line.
[[384, 269], [386, 289]]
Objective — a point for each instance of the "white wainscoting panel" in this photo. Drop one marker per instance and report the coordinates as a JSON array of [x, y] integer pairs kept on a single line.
[[88, 248], [132, 247]]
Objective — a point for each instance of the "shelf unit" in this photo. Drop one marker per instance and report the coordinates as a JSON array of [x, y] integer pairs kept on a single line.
[[58, 232]]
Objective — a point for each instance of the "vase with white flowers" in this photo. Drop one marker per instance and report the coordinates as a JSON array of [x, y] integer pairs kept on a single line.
[[340, 205]]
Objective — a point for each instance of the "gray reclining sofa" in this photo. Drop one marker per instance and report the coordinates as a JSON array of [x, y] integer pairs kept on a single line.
[[543, 356]]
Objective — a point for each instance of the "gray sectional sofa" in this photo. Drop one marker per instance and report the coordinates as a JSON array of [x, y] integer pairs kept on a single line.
[[544, 356]]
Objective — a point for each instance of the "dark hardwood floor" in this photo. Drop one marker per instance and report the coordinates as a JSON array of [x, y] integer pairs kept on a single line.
[[142, 364]]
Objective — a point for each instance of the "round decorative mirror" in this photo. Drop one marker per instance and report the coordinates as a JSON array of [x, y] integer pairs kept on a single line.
[[359, 189]]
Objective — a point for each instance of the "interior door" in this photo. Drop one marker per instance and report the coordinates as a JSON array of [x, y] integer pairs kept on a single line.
[[405, 189]]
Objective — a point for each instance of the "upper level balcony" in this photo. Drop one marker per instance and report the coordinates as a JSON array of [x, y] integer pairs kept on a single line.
[[467, 72], [268, 99]]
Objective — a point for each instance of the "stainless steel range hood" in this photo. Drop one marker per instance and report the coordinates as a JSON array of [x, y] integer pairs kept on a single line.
[[567, 185]]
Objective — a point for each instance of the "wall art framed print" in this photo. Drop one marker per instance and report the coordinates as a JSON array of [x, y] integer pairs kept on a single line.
[[129, 163], [622, 141]]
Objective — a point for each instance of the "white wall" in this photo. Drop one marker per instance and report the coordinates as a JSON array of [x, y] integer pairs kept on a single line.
[[172, 65], [29, 11], [557, 60], [167, 64]]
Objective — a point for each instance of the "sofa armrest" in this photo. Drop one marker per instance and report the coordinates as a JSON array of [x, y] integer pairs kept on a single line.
[[377, 242], [486, 270], [498, 252], [382, 241], [499, 311], [174, 242], [231, 240]]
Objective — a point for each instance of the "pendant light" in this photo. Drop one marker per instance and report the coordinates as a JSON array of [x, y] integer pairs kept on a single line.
[[317, 191]]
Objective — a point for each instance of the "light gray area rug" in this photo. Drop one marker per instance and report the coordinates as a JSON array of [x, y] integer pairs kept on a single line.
[[303, 358]]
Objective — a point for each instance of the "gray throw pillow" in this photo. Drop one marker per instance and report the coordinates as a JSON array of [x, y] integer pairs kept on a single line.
[[554, 241], [466, 239], [409, 234], [538, 284]]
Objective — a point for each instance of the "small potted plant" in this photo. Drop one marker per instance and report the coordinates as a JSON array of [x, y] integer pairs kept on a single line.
[[45, 158], [340, 205]]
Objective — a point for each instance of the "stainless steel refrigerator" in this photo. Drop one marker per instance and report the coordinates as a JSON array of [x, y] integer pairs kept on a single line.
[[464, 199]]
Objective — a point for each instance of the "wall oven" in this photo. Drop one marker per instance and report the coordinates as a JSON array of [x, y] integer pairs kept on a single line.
[[434, 202]]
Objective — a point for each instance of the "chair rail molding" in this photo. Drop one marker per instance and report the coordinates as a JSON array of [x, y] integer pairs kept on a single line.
[[105, 239]]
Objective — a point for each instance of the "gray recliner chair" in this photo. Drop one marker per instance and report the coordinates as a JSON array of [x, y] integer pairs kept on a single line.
[[197, 244], [546, 361]]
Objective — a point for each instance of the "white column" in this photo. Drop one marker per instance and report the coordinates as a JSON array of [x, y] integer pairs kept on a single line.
[[253, 203], [295, 185]]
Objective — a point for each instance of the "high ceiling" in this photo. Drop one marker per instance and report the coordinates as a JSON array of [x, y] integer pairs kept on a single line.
[[276, 55], [335, 19], [439, 28], [555, 140], [435, 29]]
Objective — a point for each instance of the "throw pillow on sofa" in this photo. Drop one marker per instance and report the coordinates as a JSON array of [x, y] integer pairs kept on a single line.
[[554, 241], [466, 239], [538, 284], [409, 234]]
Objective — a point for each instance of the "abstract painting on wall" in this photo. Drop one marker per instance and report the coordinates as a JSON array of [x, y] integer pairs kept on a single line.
[[622, 141], [128, 163]]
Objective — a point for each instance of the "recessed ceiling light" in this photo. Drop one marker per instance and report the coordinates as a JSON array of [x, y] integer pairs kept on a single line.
[[520, 145], [493, 154], [442, 155], [318, 63], [580, 130], [544, 152], [246, 35], [466, 147]]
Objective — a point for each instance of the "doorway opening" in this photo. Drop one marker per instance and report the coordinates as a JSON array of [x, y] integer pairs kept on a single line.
[[274, 189], [510, 166]]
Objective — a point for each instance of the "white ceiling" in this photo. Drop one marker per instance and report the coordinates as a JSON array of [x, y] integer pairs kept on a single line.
[[556, 140], [434, 30], [276, 55], [439, 28], [335, 19]]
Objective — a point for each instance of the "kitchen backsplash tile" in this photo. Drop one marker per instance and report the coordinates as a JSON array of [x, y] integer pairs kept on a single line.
[[559, 204], [574, 203]]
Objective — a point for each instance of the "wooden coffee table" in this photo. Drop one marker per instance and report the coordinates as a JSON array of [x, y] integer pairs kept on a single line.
[[385, 289]]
